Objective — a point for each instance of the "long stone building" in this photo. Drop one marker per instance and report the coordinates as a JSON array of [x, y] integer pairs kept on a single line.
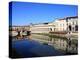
[[41, 28], [60, 25]]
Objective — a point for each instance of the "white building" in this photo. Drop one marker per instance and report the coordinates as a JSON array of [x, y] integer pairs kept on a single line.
[[72, 23], [56, 26], [60, 25]]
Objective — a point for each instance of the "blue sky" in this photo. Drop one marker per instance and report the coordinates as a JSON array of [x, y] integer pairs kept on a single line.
[[24, 13]]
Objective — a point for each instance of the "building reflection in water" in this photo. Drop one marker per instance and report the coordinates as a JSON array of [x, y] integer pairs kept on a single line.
[[69, 45]]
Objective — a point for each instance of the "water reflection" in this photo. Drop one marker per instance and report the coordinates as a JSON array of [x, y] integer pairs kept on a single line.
[[40, 45], [67, 46]]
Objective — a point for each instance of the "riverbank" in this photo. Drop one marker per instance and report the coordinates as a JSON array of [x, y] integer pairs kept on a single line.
[[51, 35], [62, 36]]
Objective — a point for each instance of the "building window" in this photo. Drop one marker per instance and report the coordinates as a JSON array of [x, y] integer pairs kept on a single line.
[[63, 24], [66, 20], [73, 23], [60, 24], [76, 22], [76, 28]]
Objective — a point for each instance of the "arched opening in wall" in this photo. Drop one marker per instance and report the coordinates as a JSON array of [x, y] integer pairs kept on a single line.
[[70, 28], [50, 29], [76, 27]]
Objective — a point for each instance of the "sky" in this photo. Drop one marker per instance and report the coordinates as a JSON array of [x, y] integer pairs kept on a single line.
[[25, 13]]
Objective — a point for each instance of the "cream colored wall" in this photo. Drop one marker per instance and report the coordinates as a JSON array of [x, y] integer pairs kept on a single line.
[[57, 25], [60, 25], [42, 28], [39, 29]]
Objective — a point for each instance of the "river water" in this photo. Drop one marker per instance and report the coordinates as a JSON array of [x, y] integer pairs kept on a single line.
[[68, 45], [41, 45]]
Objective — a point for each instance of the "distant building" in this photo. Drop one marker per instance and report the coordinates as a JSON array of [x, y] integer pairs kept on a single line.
[[68, 24], [40, 28], [60, 25]]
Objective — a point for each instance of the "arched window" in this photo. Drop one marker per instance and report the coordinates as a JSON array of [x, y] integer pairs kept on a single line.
[[76, 27], [70, 28], [50, 29]]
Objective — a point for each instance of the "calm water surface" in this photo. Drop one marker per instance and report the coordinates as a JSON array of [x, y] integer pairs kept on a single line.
[[40, 45]]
